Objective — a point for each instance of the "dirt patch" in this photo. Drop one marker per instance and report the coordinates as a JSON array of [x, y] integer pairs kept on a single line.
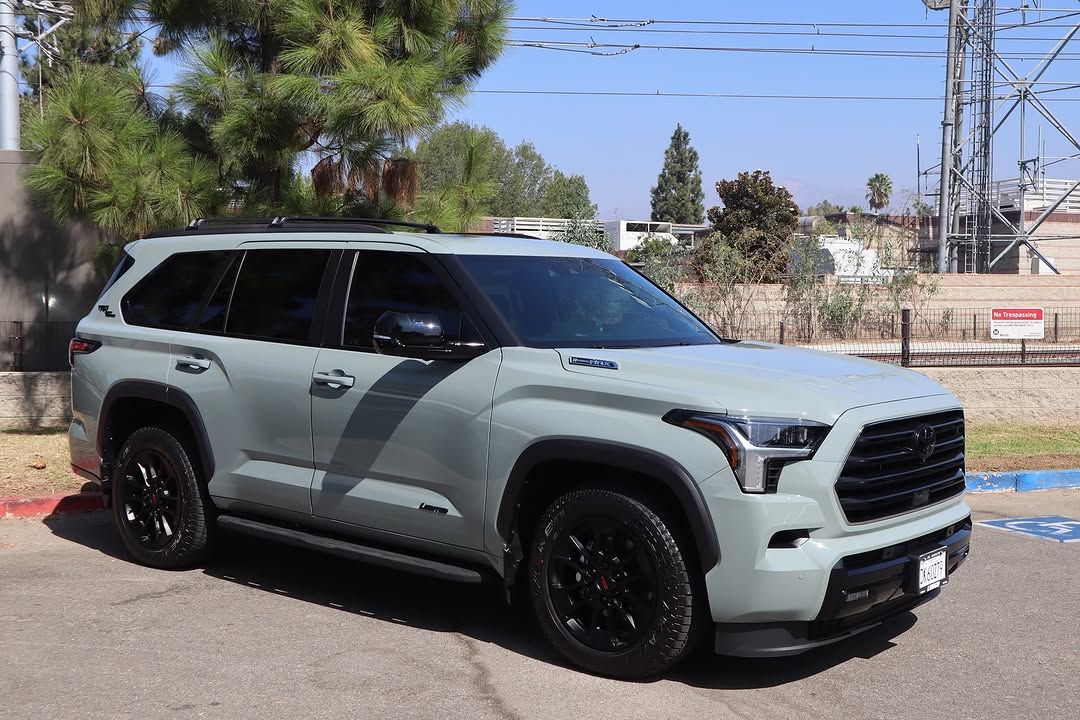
[[1065, 461], [33, 464]]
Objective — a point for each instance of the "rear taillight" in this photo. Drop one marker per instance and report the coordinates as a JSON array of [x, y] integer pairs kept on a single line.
[[79, 346]]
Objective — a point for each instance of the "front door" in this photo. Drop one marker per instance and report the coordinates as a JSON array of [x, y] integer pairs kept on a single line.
[[400, 444]]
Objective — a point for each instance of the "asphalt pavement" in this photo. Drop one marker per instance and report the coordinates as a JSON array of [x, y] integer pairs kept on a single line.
[[272, 632]]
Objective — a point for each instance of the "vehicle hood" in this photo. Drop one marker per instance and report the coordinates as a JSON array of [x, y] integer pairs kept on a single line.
[[756, 378]]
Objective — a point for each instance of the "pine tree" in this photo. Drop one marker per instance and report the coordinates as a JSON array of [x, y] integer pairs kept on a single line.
[[678, 197]]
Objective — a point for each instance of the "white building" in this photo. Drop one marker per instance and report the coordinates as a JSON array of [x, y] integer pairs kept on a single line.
[[628, 234]]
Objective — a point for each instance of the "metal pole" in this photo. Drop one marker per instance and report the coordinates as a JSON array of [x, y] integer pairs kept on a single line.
[[9, 78], [905, 337], [947, 124]]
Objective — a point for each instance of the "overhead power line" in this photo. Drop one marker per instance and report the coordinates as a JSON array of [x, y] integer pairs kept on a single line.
[[544, 44]]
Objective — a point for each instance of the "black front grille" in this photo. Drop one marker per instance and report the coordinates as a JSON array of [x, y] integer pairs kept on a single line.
[[893, 468]]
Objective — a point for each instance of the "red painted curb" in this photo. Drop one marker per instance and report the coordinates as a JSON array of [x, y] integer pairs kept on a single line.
[[51, 505]]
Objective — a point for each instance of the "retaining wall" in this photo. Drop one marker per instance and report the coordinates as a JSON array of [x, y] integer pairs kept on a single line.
[[31, 400]]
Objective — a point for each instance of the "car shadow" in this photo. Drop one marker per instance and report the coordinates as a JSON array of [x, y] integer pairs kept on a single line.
[[476, 611]]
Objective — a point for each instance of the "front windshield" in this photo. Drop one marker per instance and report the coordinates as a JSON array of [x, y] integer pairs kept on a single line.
[[583, 302]]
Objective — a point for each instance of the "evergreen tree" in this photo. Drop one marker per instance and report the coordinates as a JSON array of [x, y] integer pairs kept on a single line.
[[678, 197]]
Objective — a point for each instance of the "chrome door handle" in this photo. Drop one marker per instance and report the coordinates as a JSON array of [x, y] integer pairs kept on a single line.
[[194, 362], [336, 379]]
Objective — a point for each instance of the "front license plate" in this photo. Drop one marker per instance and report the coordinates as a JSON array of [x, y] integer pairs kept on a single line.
[[932, 570]]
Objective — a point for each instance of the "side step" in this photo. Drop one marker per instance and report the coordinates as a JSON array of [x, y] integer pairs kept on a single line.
[[353, 551]]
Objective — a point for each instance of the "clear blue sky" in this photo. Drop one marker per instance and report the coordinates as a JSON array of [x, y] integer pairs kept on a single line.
[[817, 148]]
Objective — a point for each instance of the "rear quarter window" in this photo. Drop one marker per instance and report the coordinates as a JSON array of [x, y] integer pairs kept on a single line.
[[173, 294]]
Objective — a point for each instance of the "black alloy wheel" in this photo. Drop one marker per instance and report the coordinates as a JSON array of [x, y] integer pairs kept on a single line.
[[150, 498], [602, 584], [610, 586], [162, 508]]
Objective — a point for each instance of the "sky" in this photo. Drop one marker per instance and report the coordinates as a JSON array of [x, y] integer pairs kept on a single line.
[[818, 149]]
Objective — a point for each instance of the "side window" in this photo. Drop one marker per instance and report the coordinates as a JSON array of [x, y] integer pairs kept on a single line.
[[217, 307], [171, 295], [275, 294], [398, 282]]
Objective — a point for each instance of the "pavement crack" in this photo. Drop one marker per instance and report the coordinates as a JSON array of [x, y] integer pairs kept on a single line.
[[155, 595], [484, 682]]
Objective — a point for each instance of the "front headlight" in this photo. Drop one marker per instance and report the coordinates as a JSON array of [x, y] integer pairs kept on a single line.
[[757, 448]]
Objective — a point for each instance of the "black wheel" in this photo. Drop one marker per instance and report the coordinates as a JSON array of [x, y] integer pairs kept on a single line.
[[610, 586], [160, 507]]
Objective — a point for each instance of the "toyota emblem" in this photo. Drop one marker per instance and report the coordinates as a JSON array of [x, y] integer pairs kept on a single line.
[[925, 441]]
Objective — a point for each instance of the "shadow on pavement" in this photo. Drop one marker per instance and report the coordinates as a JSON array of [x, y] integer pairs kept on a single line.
[[477, 611]]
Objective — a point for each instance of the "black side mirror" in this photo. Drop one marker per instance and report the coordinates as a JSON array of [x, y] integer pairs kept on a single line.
[[419, 336]]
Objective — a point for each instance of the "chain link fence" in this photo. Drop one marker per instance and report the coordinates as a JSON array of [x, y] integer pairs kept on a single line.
[[947, 337]]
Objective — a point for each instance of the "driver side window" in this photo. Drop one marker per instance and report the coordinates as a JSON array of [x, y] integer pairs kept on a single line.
[[398, 282]]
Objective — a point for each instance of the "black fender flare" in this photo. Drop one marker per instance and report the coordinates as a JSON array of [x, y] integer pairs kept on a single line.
[[624, 457], [167, 395]]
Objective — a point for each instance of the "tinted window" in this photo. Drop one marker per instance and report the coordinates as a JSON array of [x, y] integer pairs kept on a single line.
[[126, 261], [583, 302], [399, 282], [275, 294], [171, 295], [213, 317]]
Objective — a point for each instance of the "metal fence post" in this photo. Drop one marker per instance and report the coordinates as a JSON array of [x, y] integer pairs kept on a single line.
[[17, 346], [905, 337], [1023, 352], [1055, 327], [974, 326], [782, 329]]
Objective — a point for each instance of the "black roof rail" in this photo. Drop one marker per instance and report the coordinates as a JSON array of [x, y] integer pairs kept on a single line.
[[282, 221], [523, 236]]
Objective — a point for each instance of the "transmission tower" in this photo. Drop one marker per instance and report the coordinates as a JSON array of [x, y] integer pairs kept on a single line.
[[982, 221]]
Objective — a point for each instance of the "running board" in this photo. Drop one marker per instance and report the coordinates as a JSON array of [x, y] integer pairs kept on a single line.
[[353, 551]]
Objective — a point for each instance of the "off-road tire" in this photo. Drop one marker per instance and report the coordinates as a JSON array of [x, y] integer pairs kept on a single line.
[[192, 539], [669, 637]]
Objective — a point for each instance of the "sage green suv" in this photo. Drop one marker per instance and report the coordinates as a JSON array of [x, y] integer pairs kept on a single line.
[[474, 406]]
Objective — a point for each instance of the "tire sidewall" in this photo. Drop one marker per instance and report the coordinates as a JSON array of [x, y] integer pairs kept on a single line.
[[189, 539], [666, 640]]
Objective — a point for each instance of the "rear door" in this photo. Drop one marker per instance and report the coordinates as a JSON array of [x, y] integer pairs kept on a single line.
[[247, 363], [401, 444]]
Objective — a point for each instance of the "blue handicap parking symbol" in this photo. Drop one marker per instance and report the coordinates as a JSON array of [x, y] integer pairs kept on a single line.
[[1054, 527]]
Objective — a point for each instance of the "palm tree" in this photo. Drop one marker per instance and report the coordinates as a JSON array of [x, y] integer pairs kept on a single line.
[[878, 191]]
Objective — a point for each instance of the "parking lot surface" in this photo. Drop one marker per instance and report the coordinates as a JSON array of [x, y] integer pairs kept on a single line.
[[272, 632]]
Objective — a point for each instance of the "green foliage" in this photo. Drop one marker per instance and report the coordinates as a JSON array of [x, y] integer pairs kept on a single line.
[[462, 200], [678, 197], [824, 208], [660, 260], [567, 196], [878, 191], [730, 280], [581, 231], [102, 32], [100, 156], [758, 217], [525, 185], [269, 84]]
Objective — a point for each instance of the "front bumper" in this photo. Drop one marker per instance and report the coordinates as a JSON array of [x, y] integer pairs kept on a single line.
[[883, 574]]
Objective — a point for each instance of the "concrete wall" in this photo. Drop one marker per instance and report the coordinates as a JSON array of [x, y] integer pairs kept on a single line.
[[1014, 394], [31, 400], [966, 292], [46, 273]]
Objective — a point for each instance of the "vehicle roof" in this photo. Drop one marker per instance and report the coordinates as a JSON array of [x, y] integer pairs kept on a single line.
[[436, 243]]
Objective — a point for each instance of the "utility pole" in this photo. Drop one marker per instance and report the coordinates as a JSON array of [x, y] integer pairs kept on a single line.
[[947, 125], [9, 78]]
